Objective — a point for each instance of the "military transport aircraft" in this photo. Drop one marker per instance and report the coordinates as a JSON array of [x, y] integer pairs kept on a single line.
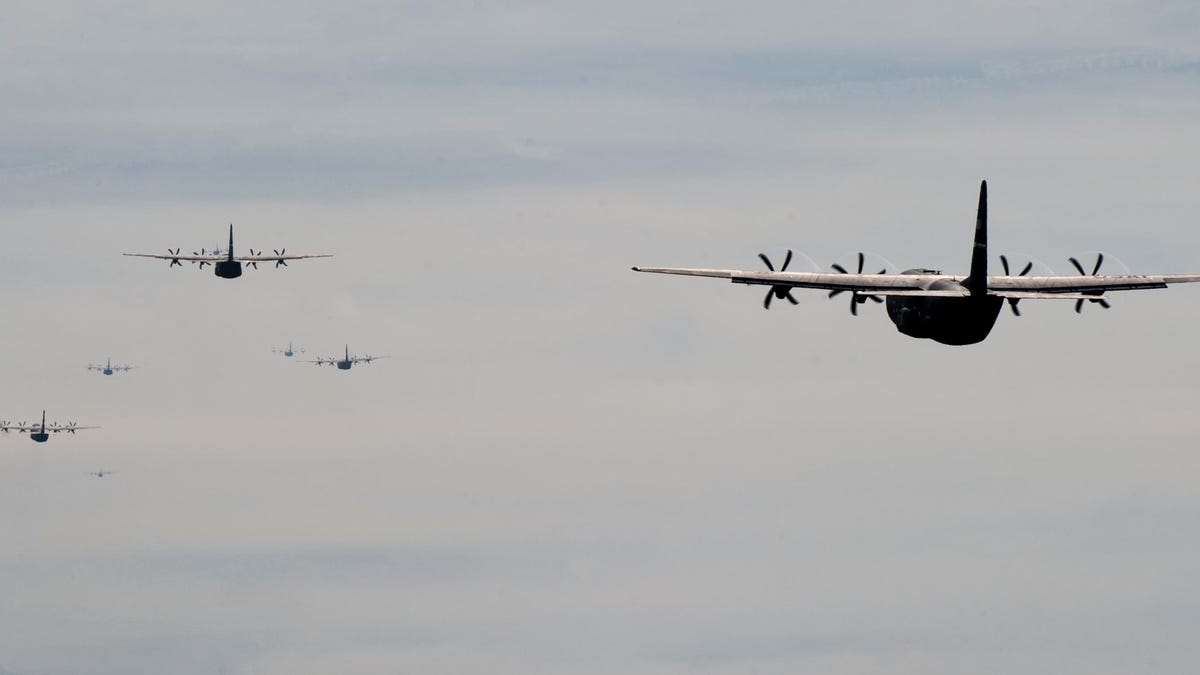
[[227, 265], [101, 473], [924, 303], [288, 351], [344, 363], [108, 368], [40, 433]]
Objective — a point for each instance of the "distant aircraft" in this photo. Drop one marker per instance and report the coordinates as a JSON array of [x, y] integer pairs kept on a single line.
[[227, 265], [101, 474], [108, 368], [924, 303], [344, 363], [40, 433], [288, 351]]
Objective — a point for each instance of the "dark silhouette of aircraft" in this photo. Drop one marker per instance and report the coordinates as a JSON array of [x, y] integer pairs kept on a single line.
[[227, 265], [345, 362], [101, 473], [40, 433], [288, 351], [108, 368], [953, 310]]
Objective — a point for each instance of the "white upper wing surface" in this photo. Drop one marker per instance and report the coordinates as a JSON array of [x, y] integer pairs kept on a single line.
[[938, 285]]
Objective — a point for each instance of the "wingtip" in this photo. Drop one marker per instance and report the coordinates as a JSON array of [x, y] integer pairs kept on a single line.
[[635, 268]]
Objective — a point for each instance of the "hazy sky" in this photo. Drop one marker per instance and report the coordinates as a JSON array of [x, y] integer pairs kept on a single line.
[[565, 466]]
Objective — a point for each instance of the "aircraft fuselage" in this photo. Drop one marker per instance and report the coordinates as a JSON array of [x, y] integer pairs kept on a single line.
[[107, 371], [344, 365], [40, 436], [950, 321], [228, 269]]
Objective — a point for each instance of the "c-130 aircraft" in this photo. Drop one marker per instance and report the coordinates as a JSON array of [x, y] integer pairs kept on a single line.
[[952, 310], [227, 265]]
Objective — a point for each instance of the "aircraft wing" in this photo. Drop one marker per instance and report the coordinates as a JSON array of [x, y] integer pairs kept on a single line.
[[68, 428], [19, 427], [366, 359], [272, 258], [189, 257], [876, 284], [1088, 285], [1061, 287]]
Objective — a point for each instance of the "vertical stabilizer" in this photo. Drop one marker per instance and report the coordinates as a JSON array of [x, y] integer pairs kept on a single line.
[[231, 241], [43, 421], [976, 282]]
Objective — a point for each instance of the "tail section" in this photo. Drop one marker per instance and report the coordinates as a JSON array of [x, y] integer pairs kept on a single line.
[[231, 241], [43, 421], [976, 282]]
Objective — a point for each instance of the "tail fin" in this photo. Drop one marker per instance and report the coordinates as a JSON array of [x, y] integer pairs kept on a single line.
[[976, 282], [230, 241]]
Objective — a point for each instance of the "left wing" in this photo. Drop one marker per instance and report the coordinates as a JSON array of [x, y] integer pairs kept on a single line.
[[876, 284], [192, 258]]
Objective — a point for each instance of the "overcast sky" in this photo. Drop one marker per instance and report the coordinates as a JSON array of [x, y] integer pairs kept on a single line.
[[566, 466]]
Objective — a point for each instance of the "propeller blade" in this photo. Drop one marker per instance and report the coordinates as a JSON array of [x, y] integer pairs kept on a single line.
[[1025, 270], [1012, 303], [767, 299], [1078, 306], [834, 292], [876, 298], [1077, 266], [791, 299], [766, 261], [861, 260], [786, 261], [1103, 303], [1099, 259], [839, 268], [1004, 264], [280, 263], [854, 304]]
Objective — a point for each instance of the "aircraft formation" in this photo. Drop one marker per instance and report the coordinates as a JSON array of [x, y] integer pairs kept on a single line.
[[922, 303], [226, 264]]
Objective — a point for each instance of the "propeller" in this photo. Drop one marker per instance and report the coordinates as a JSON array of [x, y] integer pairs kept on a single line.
[[22, 425], [1012, 302], [5, 424], [174, 261], [1095, 268], [856, 298], [280, 251], [70, 428], [253, 263], [781, 292], [202, 262]]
